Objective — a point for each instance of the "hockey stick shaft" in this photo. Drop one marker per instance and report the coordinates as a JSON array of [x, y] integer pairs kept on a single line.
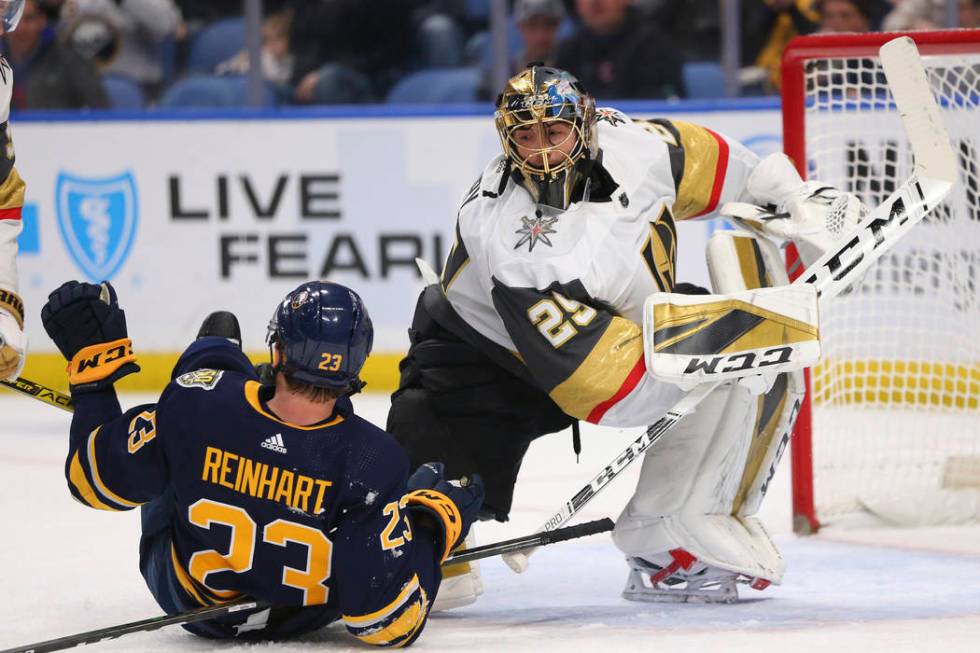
[[214, 611], [40, 392], [935, 172]]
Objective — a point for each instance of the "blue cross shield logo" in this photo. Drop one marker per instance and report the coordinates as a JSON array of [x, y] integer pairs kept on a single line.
[[97, 219]]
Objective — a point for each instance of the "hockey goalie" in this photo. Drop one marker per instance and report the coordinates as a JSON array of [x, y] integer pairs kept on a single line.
[[559, 303]]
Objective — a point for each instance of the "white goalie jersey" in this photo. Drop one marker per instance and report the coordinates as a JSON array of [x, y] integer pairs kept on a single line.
[[564, 291]]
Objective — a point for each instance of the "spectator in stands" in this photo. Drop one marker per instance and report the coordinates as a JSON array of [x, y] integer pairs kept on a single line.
[[970, 13], [277, 59], [197, 13], [845, 15], [929, 14], [349, 51], [47, 74], [439, 34], [618, 54], [143, 27], [785, 19], [537, 21]]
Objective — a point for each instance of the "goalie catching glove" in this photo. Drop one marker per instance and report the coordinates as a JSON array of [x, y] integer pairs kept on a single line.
[[452, 505], [85, 322], [811, 214]]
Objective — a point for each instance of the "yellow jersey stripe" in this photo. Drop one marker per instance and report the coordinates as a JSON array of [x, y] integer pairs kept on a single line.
[[76, 476], [379, 615], [604, 370], [185, 579], [94, 469], [401, 628], [252, 397], [12, 191]]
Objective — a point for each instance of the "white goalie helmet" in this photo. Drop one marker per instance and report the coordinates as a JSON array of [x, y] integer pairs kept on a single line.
[[547, 126]]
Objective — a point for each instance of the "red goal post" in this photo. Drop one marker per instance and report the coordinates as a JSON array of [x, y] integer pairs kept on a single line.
[[896, 398]]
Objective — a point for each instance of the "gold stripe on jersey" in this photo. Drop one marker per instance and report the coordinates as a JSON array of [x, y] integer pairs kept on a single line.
[[396, 623], [750, 263], [76, 476], [402, 628], [660, 250], [762, 435], [604, 370], [185, 579], [93, 467], [701, 153], [12, 191], [372, 617], [252, 396], [712, 323]]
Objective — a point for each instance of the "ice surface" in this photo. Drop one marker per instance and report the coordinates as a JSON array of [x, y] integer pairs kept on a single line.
[[65, 568]]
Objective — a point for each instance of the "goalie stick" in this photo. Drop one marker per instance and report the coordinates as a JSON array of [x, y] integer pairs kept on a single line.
[[932, 179], [213, 611]]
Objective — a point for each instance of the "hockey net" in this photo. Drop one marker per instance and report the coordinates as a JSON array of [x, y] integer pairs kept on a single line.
[[895, 424]]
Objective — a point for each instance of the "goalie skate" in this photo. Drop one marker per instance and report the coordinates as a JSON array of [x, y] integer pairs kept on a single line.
[[683, 579]]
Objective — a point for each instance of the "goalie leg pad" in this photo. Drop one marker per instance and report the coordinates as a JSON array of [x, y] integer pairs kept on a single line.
[[461, 583], [695, 487]]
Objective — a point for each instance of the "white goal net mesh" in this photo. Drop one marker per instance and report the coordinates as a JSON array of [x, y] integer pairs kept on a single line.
[[896, 399]]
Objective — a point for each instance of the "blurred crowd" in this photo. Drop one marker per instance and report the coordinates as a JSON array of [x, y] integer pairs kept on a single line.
[[69, 54]]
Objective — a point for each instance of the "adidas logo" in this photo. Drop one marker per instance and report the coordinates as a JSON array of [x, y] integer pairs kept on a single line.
[[275, 443]]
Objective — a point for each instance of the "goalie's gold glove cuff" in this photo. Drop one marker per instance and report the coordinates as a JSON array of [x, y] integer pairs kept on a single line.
[[98, 366], [13, 304]]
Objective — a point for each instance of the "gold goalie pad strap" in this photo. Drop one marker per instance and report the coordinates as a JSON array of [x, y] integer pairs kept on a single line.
[[96, 362], [690, 339], [443, 508], [13, 304]]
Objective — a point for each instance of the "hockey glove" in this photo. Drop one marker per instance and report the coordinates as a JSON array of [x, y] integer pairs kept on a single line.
[[13, 342], [85, 322], [452, 505], [815, 216]]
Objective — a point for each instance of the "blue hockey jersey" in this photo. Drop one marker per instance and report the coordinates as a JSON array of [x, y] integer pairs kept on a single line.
[[256, 506]]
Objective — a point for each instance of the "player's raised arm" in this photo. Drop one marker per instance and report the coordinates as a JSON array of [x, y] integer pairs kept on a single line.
[[113, 462]]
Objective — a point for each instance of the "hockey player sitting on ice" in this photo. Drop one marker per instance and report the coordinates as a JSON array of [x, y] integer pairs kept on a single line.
[[558, 302], [281, 492], [13, 343]]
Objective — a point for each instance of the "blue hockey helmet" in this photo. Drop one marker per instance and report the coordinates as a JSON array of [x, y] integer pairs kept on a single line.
[[324, 335]]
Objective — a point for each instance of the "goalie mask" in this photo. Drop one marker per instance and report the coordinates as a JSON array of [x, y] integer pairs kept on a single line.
[[546, 123], [323, 334]]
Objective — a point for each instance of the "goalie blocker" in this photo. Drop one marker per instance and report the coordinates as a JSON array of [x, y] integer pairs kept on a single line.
[[688, 531]]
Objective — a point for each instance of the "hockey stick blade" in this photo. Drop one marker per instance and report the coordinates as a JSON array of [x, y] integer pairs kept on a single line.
[[214, 611], [933, 178], [39, 392]]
